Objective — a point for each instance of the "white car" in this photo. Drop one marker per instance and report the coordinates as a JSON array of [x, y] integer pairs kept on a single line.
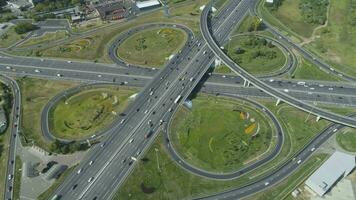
[[69, 61], [299, 161], [91, 162], [80, 170], [8, 67], [91, 179], [266, 183], [312, 149], [131, 140], [59, 75], [37, 71], [10, 176], [286, 90]]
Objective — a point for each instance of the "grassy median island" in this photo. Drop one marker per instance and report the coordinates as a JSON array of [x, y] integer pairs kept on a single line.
[[220, 134], [255, 54], [166, 180], [347, 139], [88, 112], [152, 47]]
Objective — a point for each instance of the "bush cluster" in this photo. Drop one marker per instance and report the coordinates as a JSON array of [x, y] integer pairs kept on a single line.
[[314, 11]]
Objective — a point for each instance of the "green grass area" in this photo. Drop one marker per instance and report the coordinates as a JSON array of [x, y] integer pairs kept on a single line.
[[17, 178], [283, 190], [347, 139], [256, 55], [152, 47], [289, 16], [49, 192], [47, 37], [337, 41], [308, 71], [172, 182], [88, 112], [94, 46], [9, 38], [220, 135], [35, 95], [222, 69]]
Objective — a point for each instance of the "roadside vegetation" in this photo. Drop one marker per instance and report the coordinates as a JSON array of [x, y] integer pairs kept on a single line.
[[221, 134], [156, 176], [35, 95], [10, 37], [152, 47], [17, 178], [88, 112], [347, 139], [24, 27], [308, 71]]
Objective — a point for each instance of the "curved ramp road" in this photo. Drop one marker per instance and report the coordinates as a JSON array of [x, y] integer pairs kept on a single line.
[[124, 36], [282, 172], [48, 135], [305, 53], [227, 176], [14, 131], [283, 96]]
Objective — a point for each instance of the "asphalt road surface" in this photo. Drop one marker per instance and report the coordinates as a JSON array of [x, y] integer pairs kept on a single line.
[[14, 131]]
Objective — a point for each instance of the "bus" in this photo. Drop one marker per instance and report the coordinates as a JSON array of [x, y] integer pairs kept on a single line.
[[178, 98]]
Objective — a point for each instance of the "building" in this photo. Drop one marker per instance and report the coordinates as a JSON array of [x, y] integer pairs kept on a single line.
[[3, 120], [19, 4], [149, 4], [334, 169], [269, 1], [111, 11]]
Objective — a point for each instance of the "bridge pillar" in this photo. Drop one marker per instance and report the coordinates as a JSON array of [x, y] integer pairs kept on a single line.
[[217, 62], [317, 118], [278, 101]]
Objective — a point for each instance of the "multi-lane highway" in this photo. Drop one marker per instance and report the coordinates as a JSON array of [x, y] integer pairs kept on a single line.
[[14, 130], [106, 168], [108, 164]]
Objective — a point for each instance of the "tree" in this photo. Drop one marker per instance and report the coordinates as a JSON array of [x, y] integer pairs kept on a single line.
[[24, 27], [256, 24]]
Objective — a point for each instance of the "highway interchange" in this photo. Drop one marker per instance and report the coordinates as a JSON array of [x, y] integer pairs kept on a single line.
[[107, 166]]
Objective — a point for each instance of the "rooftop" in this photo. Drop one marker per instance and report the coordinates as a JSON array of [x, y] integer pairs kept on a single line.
[[336, 167]]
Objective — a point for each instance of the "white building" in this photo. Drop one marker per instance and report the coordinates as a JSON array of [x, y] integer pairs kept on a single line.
[[148, 4], [334, 169]]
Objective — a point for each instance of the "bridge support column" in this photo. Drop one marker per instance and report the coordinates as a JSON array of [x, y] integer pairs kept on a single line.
[[278, 101], [246, 83], [217, 62], [317, 118], [88, 143]]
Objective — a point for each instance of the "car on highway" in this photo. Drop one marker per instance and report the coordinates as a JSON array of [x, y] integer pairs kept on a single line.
[[131, 140], [91, 162], [10, 176], [91, 179], [299, 161], [80, 170], [37, 71]]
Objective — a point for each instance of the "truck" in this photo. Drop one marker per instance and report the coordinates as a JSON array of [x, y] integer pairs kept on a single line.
[[178, 98]]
